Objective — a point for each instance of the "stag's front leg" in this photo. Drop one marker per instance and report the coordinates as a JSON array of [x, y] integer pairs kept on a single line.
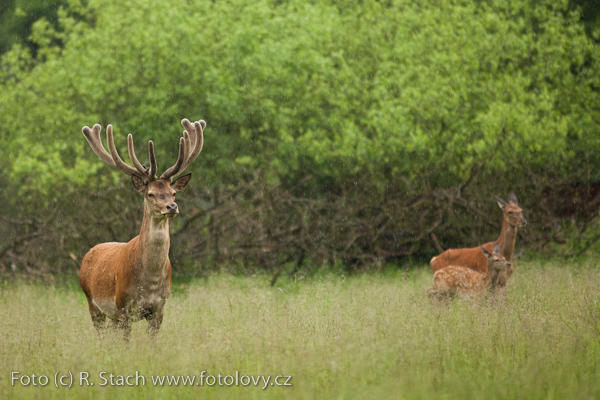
[[154, 321], [124, 324]]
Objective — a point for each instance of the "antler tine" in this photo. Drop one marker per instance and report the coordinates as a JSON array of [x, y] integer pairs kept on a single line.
[[189, 127], [187, 141], [143, 171], [190, 131], [152, 158], [199, 130], [175, 168], [93, 138], [119, 164]]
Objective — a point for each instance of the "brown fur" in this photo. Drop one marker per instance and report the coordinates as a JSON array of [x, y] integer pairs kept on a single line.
[[473, 258], [458, 280]]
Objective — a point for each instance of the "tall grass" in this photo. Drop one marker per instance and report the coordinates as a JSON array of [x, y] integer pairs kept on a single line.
[[369, 336]]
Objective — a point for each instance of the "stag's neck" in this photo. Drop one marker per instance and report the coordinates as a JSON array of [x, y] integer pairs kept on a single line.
[[154, 243], [507, 239]]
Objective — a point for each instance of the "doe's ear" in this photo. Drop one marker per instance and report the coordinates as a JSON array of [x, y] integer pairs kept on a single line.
[[138, 183], [485, 252], [181, 182], [501, 202], [512, 199]]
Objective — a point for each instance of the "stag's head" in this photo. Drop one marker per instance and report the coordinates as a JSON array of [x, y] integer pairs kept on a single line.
[[159, 193], [496, 261], [513, 214]]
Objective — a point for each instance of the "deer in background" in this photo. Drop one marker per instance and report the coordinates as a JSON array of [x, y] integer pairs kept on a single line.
[[453, 280], [127, 282], [474, 259]]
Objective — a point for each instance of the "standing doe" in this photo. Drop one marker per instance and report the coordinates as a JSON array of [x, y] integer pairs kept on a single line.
[[473, 257], [466, 282], [130, 281]]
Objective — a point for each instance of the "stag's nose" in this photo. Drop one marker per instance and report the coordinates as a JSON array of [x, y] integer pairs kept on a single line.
[[172, 207], [524, 221]]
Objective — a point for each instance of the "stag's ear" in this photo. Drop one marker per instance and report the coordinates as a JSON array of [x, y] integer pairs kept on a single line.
[[512, 199], [181, 182], [501, 202], [138, 183], [485, 252], [496, 248]]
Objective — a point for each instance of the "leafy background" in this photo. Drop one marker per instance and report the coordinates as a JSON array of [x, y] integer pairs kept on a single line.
[[355, 134]]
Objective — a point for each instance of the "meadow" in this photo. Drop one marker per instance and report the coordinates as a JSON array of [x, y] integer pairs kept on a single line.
[[367, 336]]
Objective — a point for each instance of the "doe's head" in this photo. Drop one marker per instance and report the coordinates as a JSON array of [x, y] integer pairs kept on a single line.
[[513, 214]]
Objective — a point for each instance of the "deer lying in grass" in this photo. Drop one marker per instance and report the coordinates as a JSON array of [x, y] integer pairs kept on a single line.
[[473, 258], [130, 281], [458, 280]]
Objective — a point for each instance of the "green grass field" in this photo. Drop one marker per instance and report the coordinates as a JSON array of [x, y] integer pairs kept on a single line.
[[366, 337]]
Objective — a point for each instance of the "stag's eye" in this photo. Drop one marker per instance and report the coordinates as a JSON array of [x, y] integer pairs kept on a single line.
[[150, 195], [510, 212]]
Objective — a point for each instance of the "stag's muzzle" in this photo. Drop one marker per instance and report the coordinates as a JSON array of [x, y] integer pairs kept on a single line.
[[172, 209]]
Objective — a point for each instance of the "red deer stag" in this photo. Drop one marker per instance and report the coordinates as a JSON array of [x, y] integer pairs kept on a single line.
[[473, 257], [130, 281], [453, 280]]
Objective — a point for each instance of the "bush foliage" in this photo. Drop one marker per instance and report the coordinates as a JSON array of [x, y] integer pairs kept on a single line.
[[354, 131]]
